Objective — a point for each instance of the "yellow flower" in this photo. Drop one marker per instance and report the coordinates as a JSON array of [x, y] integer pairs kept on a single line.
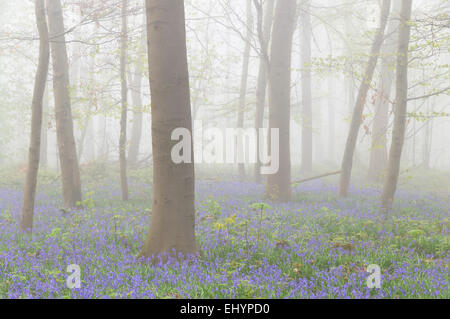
[[218, 226], [230, 220]]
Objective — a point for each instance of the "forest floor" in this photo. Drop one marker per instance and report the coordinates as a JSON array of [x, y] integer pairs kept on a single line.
[[317, 246]]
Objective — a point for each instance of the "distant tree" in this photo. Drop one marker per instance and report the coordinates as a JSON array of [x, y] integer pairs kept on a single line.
[[26, 223], [136, 98], [124, 102], [279, 184], [243, 87], [378, 150], [70, 173], [44, 130], [347, 161], [264, 28], [307, 130], [172, 223], [400, 107]]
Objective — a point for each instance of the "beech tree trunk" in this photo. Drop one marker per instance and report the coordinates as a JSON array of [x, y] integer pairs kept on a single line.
[[172, 223], [26, 223], [279, 184], [243, 90], [44, 129], [400, 107], [124, 94], [305, 48], [378, 150], [347, 161], [264, 28], [63, 110]]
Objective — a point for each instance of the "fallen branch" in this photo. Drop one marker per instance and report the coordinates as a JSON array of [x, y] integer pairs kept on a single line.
[[315, 177]]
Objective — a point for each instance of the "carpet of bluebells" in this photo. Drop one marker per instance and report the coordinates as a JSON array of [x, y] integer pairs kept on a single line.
[[317, 246]]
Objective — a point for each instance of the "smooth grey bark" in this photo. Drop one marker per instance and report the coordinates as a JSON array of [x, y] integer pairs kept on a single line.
[[172, 223], [70, 173], [278, 185], [347, 161], [400, 107]]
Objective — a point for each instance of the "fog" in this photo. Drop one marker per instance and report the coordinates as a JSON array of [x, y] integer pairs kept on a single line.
[[295, 104], [215, 31]]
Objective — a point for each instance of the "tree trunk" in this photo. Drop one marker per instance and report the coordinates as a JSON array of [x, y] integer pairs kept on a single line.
[[63, 111], [136, 97], [317, 125], [89, 138], [305, 48], [44, 130], [279, 184], [347, 161], [398, 133], [26, 223], [243, 89], [172, 224], [264, 28], [331, 123], [136, 130], [378, 151], [426, 152], [124, 94]]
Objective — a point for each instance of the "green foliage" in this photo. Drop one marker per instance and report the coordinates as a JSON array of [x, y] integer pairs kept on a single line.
[[88, 201]]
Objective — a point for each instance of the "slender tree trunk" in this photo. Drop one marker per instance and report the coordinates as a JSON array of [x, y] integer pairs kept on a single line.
[[305, 48], [347, 161], [82, 139], [427, 138], [172, 224], [243, 90], [63, 111], [89, 139], [124, 94], [279, 184], [378, 151], [26, 223], [44, 130], [76, 68], [136, 97], [398, 133], [317, 125], [264, 28], [331, 123], [136, 131]]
